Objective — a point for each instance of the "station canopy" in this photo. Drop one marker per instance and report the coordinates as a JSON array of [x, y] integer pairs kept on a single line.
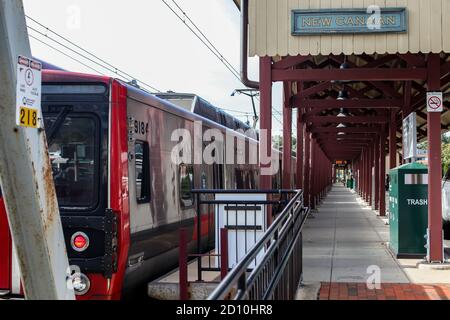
[[428, 22]]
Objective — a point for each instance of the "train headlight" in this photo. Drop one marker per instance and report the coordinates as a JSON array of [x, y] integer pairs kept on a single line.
[[79, 241], [81, 284]]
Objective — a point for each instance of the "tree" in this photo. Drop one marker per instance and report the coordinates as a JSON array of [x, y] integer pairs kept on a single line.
[[445, 151], [277, 143]]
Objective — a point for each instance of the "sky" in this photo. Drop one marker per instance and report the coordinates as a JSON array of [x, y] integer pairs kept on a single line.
[[148, 41]]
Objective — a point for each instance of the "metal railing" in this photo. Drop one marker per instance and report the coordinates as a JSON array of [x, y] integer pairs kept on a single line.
[[278, 273], [243, 210]]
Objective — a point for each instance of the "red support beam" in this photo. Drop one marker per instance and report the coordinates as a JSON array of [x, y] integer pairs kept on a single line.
[[382, 176], [345, 130], [289, 62], [348, 136], [361, 176], [434, 166], [310, 91], [313, 175], [300, 158], [366, 176], [265, 120], [392, 141], [413, 59], [377, 158], [349, 120], [307, 168], [370, 175], [223, 253], [362, 74], [287, 137], [348, 104], [183, 265]]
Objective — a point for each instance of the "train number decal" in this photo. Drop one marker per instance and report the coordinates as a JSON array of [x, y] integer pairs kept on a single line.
[[140, 127]]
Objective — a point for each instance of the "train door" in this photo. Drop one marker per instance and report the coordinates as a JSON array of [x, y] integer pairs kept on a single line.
[[139, 167], [211, 178]]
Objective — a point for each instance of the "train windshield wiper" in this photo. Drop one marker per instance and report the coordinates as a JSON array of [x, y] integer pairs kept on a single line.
[[51, 132]]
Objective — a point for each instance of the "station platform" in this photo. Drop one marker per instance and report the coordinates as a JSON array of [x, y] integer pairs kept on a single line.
[[345, 241]]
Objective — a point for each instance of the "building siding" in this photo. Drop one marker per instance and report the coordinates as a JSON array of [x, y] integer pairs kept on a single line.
[[270, 29]]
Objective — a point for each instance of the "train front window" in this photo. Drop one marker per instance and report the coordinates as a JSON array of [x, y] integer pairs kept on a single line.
[[72, 142]]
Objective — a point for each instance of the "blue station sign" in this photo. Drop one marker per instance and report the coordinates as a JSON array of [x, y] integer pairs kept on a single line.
[[384, 20]]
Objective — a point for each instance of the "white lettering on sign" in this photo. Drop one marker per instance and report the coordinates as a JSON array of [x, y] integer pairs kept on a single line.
[[417, 202], [28, 92], [435, 102]]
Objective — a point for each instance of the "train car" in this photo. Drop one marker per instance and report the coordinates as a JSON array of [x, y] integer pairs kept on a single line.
[[122, 200]]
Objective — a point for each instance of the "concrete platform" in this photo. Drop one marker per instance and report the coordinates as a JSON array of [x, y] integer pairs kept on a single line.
[[346, 241], [168, 287]]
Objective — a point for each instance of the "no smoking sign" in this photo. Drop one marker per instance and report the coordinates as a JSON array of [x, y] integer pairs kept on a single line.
[[435, 102]]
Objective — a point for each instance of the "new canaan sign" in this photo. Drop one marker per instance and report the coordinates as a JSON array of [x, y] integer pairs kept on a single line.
[[371, 20]]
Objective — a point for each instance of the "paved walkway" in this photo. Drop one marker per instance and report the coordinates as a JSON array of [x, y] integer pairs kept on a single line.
[[346, 242]]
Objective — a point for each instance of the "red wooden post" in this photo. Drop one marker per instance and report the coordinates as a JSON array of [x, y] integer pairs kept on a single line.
[[307, 169], [392, 140], [287, 136], [265, 123], [323, 171], [376, 175], [382, 177], [434, 166], [313, 175], [321, 168], [370, 176], [182, 262], [300, 158], [318, 173], [365, 176], [223, 253]]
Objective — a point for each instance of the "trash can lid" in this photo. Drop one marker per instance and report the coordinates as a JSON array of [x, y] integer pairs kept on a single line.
[[411, 166]]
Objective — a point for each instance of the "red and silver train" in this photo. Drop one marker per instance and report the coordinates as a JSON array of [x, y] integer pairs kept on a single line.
[[121, 198]]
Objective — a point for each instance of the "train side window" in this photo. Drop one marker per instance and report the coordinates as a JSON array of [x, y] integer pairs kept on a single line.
[[186, 183], [142, 171]]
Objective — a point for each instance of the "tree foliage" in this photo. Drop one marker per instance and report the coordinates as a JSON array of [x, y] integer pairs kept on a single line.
[[445, 151]]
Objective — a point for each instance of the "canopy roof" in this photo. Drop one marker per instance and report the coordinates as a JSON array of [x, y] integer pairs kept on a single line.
[[270, 29], [412, 92]]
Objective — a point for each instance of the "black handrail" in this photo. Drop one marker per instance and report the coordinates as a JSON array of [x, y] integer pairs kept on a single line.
[[276, 200], [290, 221], [245, 191]]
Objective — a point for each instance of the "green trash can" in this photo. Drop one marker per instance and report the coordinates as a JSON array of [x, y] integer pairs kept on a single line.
[[408, 210]]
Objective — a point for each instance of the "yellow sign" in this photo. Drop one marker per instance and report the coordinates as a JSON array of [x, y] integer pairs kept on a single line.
[[28, 117]]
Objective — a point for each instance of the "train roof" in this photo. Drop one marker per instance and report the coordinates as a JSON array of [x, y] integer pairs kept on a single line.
[[187, 102], [198, 105]]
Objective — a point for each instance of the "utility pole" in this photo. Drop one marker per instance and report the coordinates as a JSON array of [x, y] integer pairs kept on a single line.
[[26, 175]]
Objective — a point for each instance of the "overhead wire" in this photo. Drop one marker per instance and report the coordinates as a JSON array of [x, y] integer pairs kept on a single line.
[[65, 54], [89, 56], [208, 43], [93, 58]]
